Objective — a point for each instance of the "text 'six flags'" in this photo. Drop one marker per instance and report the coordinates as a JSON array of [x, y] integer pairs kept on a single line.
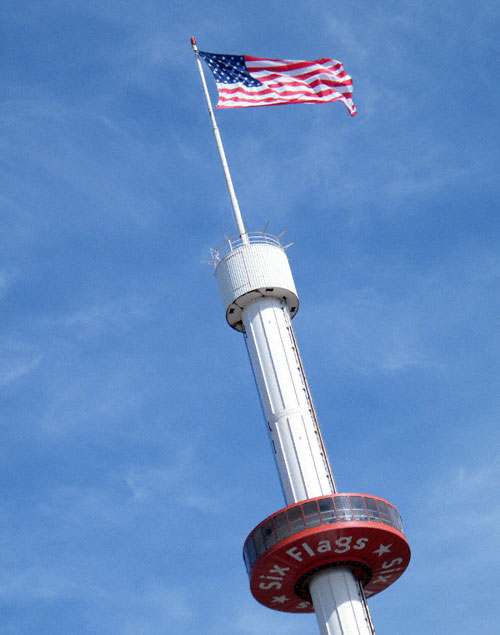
[[244, 81]]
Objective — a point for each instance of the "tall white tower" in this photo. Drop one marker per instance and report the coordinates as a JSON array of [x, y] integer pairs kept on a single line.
[[324, 552]]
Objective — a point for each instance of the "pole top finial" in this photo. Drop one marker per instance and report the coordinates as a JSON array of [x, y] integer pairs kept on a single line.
[[193, 41]]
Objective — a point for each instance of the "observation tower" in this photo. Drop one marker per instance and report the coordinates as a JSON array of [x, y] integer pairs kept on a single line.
[[325, 551]]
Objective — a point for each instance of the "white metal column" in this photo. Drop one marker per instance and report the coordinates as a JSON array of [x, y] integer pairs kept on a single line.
[[303, 465], [300, 454], [338, 603]]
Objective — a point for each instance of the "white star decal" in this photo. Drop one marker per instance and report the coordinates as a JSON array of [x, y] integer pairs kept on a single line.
[[383, 578], [281, 599], [383, 549]]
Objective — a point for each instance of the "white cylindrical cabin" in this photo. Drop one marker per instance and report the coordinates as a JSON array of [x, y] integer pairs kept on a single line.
[[259, 296]]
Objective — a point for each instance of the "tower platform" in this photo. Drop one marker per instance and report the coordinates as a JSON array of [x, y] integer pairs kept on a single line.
[[359, 532]]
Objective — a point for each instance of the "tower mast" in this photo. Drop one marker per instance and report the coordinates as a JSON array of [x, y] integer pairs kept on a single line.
[[215, 128], [325, 551]]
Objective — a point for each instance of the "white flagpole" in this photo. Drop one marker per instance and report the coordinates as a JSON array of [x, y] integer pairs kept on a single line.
[[234, 201]]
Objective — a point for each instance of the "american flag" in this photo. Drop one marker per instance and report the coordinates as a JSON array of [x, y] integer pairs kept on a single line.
[[251, 81]]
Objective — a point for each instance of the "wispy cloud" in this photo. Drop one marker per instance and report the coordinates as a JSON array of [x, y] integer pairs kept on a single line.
[[370, 333], [462, 504], [4, 282], [37, 583], [472, 482], [10, 370], [146, 609], [179, 482], [256, 622], [17, 359], [148, 484], [109, 315]]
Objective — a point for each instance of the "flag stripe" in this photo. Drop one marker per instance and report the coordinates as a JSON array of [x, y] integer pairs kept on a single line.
[[291, 67], [255, 62], [300, 74], [241, 103], [313, 80], [253, 99], [280, 91], [282, 96]]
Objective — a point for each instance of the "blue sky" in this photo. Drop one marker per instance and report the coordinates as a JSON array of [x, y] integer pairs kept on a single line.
[[133, 455]]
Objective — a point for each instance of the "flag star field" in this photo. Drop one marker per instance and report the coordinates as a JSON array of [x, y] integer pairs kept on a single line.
[[229, 69]]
